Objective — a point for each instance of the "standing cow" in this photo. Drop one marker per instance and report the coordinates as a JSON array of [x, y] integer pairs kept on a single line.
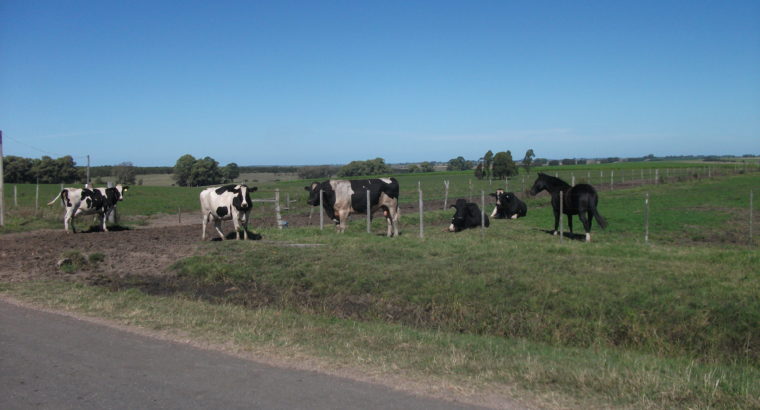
[[508, 205], [467, 215], [84, 201], [341, 198], [225, 203]]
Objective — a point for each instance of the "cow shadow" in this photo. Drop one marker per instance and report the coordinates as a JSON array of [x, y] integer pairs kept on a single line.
[[568, 235], [252, 236], [111, 228]]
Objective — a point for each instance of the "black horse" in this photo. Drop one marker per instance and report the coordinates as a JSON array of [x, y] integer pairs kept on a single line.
[[578, 200]]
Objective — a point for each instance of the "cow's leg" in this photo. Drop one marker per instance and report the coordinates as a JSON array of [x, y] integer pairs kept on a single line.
[[245, 224], [236, 224], [218, 227], [495, 208], [342, 220], [570, 222], [104, 220], [204, 221], [392, 217], [68, 220]]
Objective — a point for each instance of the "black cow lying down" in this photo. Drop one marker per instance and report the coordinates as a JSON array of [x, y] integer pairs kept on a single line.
[[508, 205], [341, 198], [467, 215]]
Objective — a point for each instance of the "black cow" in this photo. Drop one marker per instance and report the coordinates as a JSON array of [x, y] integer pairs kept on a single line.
[[508, 205], [467, 215], [341, 198]]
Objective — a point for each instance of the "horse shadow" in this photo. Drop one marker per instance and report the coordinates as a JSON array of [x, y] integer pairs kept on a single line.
[[568, 235]]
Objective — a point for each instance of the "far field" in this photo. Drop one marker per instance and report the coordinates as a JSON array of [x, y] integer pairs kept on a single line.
[[673, 322]]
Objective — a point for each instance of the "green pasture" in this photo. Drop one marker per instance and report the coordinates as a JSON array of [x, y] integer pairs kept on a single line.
[[669, 323]]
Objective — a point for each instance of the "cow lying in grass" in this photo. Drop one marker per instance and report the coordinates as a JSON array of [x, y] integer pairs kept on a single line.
[[508, 206], [229, 202], [84, 201], [467, 215]]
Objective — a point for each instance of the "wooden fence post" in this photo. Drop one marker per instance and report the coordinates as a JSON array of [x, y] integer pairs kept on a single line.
[[321, 212], [277, 214], [422, 227], [612, 180], [445, 193], [646, 218], [573, 177], [37, 196], [561, 210], [369, 220], [482, 214], [15, 197], [469, 196]]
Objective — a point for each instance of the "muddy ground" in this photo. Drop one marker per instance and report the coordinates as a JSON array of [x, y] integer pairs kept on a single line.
[[147, 249]]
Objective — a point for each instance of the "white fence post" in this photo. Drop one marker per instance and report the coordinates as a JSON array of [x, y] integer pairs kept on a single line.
[[445, 193]]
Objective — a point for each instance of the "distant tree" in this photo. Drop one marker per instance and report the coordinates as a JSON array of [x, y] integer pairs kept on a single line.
[[540, 162], [51, 171], [17, 170], [125, 173], [230, 172], [375, 166], [204, 172], [504, 165], [426, 167], [487, 164], [527, 161], [553, 163], [459, 164], [479, 171], [413, 168], [182, 169], [317, 172], [568, 161]]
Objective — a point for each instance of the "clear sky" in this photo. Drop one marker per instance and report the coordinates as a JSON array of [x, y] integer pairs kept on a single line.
[[317, 82]]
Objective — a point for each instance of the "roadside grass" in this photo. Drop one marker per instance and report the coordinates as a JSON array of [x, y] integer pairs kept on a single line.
[[433, 360]]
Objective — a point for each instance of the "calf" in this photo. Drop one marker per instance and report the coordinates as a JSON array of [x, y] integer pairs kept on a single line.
[[84, 201], [467, 215], [508, 205], [225, 203], [341, 198]]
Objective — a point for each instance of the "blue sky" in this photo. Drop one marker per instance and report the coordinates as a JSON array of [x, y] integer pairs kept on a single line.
[[316, 82]]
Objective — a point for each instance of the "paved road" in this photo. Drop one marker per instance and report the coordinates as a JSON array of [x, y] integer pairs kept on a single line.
[[50, 361]]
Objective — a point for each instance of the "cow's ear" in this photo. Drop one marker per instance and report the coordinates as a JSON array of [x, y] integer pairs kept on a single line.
[[254, 189]]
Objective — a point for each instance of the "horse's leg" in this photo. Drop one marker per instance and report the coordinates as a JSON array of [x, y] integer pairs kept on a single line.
[[556, 221], [585, 217], [570, 224]]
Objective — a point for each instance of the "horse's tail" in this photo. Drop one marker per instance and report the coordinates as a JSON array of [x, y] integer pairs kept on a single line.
[[599, 219]]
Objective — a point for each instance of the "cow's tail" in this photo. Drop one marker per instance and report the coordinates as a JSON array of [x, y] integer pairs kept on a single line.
[[599, 218], [56, 198]]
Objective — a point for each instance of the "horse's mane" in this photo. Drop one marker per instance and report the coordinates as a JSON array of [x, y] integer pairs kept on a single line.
[[554, 181]]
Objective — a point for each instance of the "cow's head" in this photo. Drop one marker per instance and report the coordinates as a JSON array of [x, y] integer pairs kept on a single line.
[[313, 193], [458, 221], [242, 199], [121, 190], [498, 195]]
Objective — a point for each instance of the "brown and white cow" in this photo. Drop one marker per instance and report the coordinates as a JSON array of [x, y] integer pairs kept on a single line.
[[85, 201], [229, 202], [341, 198]]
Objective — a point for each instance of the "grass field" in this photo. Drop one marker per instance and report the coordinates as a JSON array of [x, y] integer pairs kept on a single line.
[[671, 323]]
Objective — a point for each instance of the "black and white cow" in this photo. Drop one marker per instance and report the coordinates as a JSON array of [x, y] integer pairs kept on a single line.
[[467, 215], [84, 201], [225, 203], [341, 198], [508, 205]]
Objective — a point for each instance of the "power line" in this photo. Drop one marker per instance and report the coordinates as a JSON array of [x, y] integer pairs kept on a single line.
[[42, 150]]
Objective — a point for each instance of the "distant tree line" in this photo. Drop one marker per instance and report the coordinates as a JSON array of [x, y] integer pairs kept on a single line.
[[46, 170], [502, 165], [189, 171]]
